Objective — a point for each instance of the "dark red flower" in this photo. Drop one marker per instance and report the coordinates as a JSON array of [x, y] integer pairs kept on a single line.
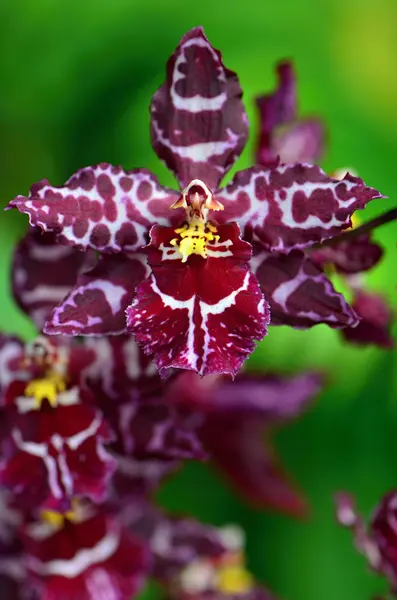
[[84, 555], [377, 541], [54, 455], [282, 134], [350, 256], [201, 308], [301, 275]]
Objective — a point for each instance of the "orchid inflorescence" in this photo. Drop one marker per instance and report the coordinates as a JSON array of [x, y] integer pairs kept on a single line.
[[147, 302]]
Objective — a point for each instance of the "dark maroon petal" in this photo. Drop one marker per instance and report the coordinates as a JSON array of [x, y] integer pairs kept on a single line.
[[350, 256], [199, 126], [376, 320], [12, 570], [275, 109], [57, 454], [292, 206], [182, 542], [121, 369], [156, 430], [281, 134], [204, 314], [80, 358], [237, 446], [299, 293], [101, 207], [139, 478], [86, 560], [11, 352], [279, 107], [270, 397], [97, 304], [43, 273]]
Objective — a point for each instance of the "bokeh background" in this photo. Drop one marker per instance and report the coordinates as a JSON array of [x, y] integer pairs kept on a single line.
[[76, 78]]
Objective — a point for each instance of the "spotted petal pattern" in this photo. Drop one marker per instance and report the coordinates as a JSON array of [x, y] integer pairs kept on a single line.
[[292, 206], [139, 478], [87, 560], [101, 207], [202, 315], [97, 303], [43, 273], [199, 126], [56, 455], [299, 293], [281, 135]]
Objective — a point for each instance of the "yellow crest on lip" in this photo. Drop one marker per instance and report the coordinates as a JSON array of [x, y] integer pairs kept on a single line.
[[194, 237], [46, 388], [234, 579], [57, 519]]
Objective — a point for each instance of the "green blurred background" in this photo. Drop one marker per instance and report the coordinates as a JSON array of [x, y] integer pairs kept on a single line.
[[76, 78]]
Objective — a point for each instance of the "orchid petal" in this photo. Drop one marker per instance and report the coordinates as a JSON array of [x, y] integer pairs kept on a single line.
[[291, 206], [199, 126], [101, 207]]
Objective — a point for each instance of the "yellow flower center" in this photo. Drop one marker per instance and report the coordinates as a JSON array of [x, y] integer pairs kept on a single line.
[[234, 579], [58, 519], [46, 388], [197, 200]]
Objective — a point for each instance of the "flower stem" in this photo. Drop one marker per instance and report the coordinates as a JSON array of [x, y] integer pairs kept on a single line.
[[387, 217]]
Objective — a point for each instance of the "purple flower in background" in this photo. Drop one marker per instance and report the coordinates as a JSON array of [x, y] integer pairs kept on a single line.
[[282, 133], [376, 320], [216, 258], [287, 138], [240, 417], [195, 561], [377, 541]]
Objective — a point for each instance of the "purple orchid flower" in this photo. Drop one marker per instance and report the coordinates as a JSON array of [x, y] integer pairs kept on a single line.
[[195, 561], [240, 417], [282, 134], [285, 136], [217, 259]]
